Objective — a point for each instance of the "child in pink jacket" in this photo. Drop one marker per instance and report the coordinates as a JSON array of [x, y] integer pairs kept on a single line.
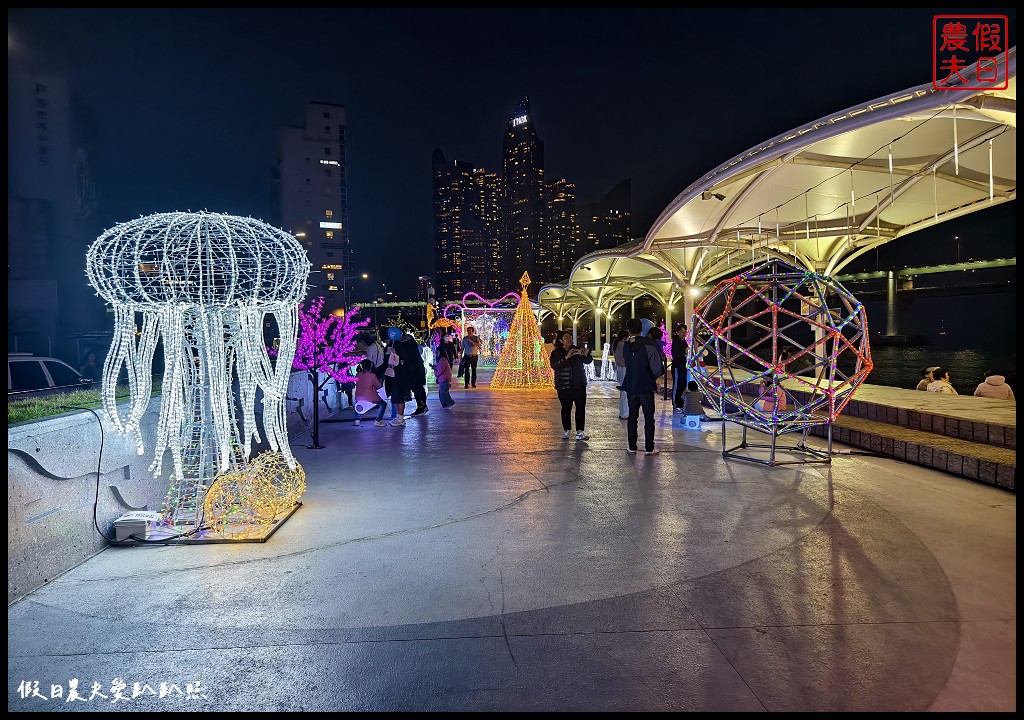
[[443, 373], [367, 385]]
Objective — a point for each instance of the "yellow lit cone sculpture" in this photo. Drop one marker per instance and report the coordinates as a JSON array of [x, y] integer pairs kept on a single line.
[[524, 361]]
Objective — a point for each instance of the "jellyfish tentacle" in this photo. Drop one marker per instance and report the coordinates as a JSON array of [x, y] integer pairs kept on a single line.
[[172, 401], [124, 327], [212, 353], [250, 334], [288, 321], [140, 374]]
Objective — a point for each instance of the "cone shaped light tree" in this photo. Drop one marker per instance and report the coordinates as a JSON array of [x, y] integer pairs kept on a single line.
[[524, 361]]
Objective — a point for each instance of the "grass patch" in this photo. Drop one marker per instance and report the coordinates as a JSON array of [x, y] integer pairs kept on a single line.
[[34, 408]]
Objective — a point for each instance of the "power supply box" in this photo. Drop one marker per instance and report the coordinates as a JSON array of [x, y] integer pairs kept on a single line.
[[135, 524]]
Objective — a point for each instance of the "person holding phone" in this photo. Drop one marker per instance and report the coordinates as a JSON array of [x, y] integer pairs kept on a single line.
[[471, 345], [568, 362]]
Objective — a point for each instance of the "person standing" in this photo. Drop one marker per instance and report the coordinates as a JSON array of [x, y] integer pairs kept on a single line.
[[995, 387], [393, 379], [471, 354], [656, 337], [414, 373], [941, 383], [447, 349], [443, 373], [620, 371], [643, 368], [679, 350], [568, 362]]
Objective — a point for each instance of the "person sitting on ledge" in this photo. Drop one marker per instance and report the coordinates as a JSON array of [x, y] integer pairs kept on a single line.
[[771, 400], [941, 383], [994, 387], [926, 378]]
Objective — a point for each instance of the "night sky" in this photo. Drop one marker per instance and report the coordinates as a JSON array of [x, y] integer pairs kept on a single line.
[[188, 103]]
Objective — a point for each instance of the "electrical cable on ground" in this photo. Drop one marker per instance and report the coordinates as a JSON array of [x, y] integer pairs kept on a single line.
[[96, 498]]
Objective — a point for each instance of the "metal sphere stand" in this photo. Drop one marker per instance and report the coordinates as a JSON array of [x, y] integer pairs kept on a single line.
[[812, 455]]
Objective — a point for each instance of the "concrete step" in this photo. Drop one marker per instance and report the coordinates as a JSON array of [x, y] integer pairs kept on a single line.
[[980, 461]]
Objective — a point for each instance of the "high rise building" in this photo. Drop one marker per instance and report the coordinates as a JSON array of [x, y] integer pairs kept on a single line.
[[559, 249], [523, 208], [490, 228], [311, 199], [51, 219], [606, 223], [467, 204], [487, 199]]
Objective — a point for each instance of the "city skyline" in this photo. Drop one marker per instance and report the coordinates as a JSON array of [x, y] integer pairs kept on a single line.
[[490, 227], [186, 104]]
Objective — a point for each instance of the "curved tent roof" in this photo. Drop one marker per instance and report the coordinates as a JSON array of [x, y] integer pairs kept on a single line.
[[820, 195]]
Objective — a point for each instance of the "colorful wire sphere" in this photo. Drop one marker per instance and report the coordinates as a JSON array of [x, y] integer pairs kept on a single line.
[[779, 348]]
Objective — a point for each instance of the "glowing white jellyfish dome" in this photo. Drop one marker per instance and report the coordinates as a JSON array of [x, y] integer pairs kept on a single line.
[[200, 258], [203, 284]]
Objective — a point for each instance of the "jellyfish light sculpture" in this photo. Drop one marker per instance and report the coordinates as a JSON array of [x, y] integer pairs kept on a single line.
[[791, 346], [203, 284]]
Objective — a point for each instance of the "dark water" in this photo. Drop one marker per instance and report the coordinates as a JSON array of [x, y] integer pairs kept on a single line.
[[966, 334], [901, 366]]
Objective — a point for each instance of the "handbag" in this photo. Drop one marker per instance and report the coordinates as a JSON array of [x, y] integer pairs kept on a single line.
[[462, 367]]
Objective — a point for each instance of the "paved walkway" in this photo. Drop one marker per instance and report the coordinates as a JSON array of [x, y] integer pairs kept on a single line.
[[474, 560]]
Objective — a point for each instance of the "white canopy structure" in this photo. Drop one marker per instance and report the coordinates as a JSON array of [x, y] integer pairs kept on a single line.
[[819, 196]]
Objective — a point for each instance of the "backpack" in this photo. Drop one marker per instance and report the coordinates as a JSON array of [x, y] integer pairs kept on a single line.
[[640, 379]]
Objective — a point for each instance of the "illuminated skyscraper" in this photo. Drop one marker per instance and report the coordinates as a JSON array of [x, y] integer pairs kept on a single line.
[[311, 196], [490, 228], [606, 223], [523, 207], [487, 196], [557, 253], [466, 215]]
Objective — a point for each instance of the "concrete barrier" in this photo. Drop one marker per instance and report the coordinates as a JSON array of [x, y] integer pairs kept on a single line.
[[52, 467]]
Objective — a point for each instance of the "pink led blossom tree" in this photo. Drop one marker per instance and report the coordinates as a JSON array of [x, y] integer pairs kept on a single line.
[[325, 347], [666, 340], [666, 352]]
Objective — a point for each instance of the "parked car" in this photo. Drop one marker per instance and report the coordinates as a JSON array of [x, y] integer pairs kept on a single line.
[[31, 375]]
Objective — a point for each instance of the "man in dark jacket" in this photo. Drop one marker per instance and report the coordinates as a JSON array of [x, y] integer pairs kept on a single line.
[[679, 377], [413, 375], [643, 368]]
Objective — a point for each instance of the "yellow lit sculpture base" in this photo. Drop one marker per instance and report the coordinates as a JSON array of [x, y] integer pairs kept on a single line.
[[250, 503]]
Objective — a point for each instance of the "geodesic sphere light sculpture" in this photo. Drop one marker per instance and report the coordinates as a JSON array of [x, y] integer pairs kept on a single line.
[[788, 347], [203, 284]]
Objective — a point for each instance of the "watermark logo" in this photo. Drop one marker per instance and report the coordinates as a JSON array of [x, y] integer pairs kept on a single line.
[[119, 690], [969, 52]]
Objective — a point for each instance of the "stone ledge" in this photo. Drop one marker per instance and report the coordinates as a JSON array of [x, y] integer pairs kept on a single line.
[[982, 462]]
